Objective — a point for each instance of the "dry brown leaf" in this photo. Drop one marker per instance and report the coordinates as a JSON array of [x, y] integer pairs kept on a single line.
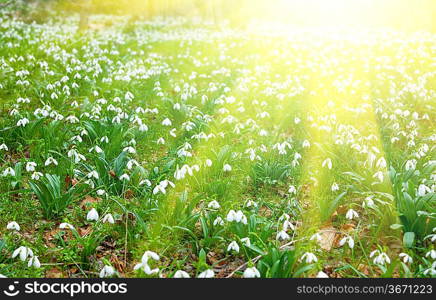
[[54, 273]]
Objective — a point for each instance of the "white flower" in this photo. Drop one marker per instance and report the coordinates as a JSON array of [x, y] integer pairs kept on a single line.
[[9, 172], [23, 252], [107, 271], [22, 122], [431, 253], [34, 262], [13, 226], [310, 257], [246, 241], [251, 273], [50, 161], [335, 187], [292, 190], [92, 174], [351, 214], [125, 177], [321, 274], [287, 224], [227, 168], [181, 274], [101, 192], [282, 235], [4, 147], [218, 221], [92, 215], [36, 175], [166, 122], [66, 225], [144, 263], [406, 258], [208, 163], [108, 218], [347, 239], [423, 189], [30, 166], [233, 246], [237, 217], [327, 162], [207, 274], [214, 204], [381, 259]]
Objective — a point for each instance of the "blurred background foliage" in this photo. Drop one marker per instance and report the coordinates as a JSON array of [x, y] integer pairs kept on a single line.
[[397, 14]]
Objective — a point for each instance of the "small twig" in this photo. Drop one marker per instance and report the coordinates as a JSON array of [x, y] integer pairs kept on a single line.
[[260, 256]]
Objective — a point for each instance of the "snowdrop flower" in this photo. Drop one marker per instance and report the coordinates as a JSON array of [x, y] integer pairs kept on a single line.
[[310, 257], [161, 187], [431, 253], [22, 122], [327, 162], [292, 190], [181, 274], [306, 144], [423, 189], [36, 175], [207, 274], [23, 252], [125, 177], [13, 226], [144, 263], [347, 239], [4, 147], [406, 258], [287, 224], [108, 218], [107, 271], [282, 236], [208, 163], [92, 174], [251, 203], [237, 217], [34, 262], [351, 214], [214, 204], [381, 257], [227, 168], [321, 274], [316, 237], [218, 221], [9, 172], [101, 192], [251, 273], [66, 226], [335, 187], [233, 246], [30, 166], [246, 241], [92, 215], [166, 122], [50, 161]]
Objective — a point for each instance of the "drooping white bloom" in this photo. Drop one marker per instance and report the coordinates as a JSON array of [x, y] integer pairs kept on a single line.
[[237, 217], [144, 263], [423, 189], [282, 236], [335, 187], [292, 190], [218, 221], [34, 262], [209, 273], [208, 162], [347, 239], [4, 147], [23, 252], [107, 271], [181, 274], [251, 273], [227, 168], [50, 161], [108, 218], [125, 177], [431, 253], [214, 204], [381, 258], [92, 215], [309, 257], [9, 172], [13, 226], [321, 274], [327, 162], [30, 166], [246, 241], [406, 258], [233, 246], [351, 214], [66, 225]]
